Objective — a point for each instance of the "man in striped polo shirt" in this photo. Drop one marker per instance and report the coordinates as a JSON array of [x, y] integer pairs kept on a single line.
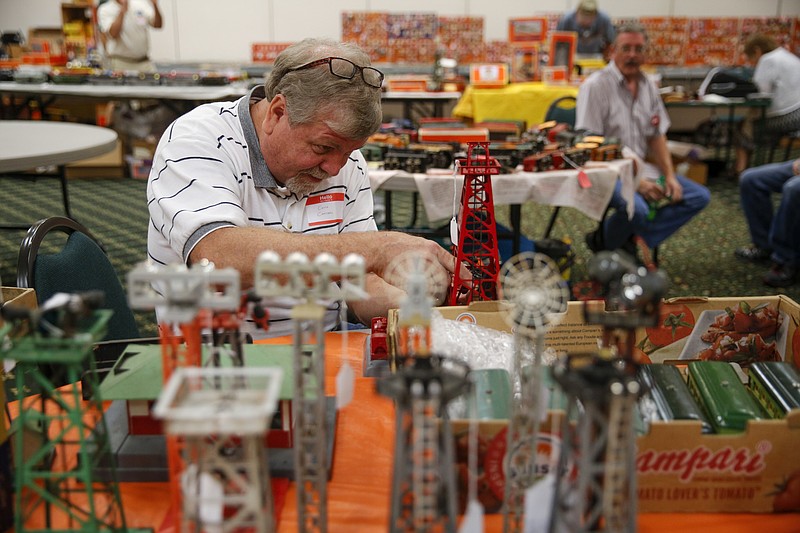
[[280, 169]]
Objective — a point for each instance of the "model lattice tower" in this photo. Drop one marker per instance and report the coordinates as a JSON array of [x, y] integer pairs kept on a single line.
[[55, 485], [312, 283], [477, 236], [602, 391]]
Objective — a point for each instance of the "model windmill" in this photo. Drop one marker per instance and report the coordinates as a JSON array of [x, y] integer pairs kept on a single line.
[[536, 296], [426, 285]]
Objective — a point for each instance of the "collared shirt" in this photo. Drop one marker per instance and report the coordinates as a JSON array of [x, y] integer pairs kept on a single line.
[[606, 107], [209, 172]]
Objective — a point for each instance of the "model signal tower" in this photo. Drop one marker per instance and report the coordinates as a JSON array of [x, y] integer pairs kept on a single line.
[[191, 298], [52, 492], [477, 235], [310, 282]]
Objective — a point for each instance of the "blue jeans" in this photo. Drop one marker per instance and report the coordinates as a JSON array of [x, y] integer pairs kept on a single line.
[[618, 229], [777, 231]]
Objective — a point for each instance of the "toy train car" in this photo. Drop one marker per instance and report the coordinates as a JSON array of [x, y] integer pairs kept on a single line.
[[578, 155], [671, 395], [725, 399], [606, 152], [776, 386], [413, 161], [543, 161], [440, 155], [418, 158]]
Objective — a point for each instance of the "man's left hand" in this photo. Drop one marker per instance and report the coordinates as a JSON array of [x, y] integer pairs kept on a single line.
[[673, 189]]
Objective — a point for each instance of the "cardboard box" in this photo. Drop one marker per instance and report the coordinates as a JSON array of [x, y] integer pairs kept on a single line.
[[680, 469], [15, 296], [109, 165], [687, 158]]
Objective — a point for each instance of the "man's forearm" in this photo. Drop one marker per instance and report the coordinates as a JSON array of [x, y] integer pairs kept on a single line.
[[659, 154], [157, 20], [240, 247], [116, 27]]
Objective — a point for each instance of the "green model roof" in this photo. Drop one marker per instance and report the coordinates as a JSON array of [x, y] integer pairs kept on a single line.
[[137, 374]]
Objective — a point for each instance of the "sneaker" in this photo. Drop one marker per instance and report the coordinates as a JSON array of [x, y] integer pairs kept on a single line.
[[781, 275], [754, 254]]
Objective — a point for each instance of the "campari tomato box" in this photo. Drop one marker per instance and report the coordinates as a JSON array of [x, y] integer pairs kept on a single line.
[[679, 469]]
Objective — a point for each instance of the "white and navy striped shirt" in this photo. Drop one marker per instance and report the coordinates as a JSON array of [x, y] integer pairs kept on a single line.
[[208, 172]]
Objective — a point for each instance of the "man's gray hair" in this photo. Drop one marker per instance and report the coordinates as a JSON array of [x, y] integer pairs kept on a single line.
[[351, 108], [631, 26]]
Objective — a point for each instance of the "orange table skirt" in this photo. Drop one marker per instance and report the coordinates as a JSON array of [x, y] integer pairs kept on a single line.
[[359, 492]]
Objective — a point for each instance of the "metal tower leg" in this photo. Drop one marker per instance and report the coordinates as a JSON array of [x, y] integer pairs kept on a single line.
[[311, 468]]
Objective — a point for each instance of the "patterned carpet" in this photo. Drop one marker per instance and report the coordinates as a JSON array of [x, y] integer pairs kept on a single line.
[[699, 258]]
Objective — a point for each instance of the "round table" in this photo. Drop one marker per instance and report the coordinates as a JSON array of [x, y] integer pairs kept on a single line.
[[27, 144]]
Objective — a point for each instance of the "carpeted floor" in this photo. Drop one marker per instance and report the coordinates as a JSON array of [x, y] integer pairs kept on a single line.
[[698, 259]]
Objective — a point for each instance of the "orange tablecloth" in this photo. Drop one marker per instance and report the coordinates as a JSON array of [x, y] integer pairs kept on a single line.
[[358, 494]]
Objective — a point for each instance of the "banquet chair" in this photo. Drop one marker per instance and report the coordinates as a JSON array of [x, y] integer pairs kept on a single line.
[[562, 110], [80, 265]]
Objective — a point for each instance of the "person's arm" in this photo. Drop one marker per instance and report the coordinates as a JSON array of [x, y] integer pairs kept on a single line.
[[659, 154], [239, 247], [116, 27], [158, 22]]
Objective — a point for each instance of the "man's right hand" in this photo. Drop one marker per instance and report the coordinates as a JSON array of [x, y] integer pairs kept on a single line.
[[391, 244], [651, 191]]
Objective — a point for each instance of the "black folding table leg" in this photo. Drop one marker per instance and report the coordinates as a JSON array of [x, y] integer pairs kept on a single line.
[[62, 175], [552, 222]]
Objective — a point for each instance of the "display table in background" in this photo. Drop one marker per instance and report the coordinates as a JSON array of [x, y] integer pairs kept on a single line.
[[441, 193], [517, 101], [178, 98]]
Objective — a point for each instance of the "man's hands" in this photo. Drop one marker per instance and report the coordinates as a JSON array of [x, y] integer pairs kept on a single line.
[[391, 244], [653, 192], [796, 167]]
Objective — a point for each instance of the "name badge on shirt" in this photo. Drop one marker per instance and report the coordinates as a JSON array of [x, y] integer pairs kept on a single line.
[[325, 209]]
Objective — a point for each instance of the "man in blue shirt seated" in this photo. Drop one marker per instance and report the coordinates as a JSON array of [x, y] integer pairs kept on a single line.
[[594, 28]]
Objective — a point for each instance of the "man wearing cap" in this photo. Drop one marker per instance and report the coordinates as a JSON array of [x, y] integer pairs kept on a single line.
[[594, 28]]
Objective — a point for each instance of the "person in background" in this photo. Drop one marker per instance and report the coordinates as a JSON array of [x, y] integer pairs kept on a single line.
[[620, 101], [775, 234], [280, 169], [777, 73], [124, 31], [594, 28]]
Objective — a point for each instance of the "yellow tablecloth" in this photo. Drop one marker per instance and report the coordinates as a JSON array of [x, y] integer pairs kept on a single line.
[[517, 101]]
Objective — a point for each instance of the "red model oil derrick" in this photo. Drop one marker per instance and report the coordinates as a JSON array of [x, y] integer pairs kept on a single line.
[[477, 248]]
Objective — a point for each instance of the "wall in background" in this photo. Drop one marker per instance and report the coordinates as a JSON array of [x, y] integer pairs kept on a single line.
[[187, 35]]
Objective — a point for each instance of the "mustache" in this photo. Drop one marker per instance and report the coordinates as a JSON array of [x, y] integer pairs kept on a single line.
[[316, 173]]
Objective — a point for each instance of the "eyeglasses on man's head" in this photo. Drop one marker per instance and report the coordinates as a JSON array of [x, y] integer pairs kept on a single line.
[[344, 68]]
